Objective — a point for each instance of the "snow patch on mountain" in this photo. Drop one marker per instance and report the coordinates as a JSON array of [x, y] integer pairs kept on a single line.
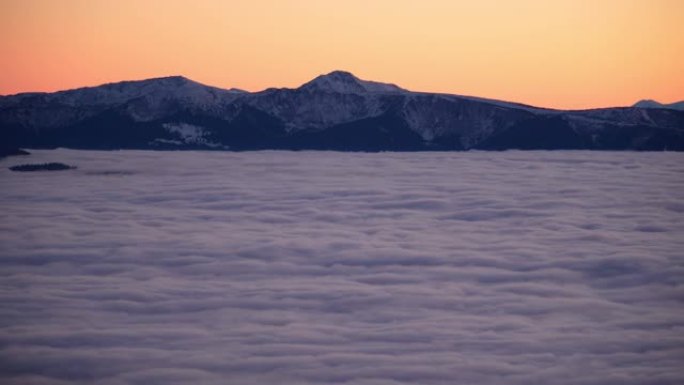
[[434, 116], [190, 134], [301, 110]]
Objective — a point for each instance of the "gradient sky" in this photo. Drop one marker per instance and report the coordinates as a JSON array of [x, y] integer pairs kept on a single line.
[[553, 53]]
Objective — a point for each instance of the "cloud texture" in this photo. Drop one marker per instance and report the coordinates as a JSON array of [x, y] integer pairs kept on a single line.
[[321, 267]]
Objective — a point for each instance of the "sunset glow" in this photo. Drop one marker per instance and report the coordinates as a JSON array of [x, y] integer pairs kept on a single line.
[[558, 53]]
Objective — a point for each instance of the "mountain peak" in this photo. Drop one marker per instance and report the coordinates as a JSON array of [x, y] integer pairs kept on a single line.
[[346, 83], [649, 103], [175, 80], [342, 76]]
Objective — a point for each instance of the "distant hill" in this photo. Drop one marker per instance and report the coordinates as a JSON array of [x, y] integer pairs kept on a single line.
[[335, 111], [647, 103]]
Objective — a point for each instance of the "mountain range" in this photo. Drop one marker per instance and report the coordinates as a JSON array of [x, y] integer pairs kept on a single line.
[[335, 111]]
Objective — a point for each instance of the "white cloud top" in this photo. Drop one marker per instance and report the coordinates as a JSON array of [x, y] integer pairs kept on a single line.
[[322, 267]]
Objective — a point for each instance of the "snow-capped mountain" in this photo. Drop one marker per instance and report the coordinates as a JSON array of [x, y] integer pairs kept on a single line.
[[333, 111], [345, 83], [648, 103]]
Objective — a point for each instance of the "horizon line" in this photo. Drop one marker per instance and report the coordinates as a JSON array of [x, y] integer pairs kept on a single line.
[[181, 76]]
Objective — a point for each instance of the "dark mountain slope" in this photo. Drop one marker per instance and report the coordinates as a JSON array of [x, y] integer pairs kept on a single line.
[[336, 111]]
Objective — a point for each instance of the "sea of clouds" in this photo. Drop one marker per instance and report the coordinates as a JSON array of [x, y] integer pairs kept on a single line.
[[346, 268]]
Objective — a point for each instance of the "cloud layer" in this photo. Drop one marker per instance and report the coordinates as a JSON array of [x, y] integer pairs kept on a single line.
[[322, 267]]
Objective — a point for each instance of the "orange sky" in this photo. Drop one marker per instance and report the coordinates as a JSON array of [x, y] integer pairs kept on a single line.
[[553, 53]]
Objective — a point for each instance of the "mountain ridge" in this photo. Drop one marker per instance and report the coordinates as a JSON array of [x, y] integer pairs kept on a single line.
[[336, 111], [650, 103]]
